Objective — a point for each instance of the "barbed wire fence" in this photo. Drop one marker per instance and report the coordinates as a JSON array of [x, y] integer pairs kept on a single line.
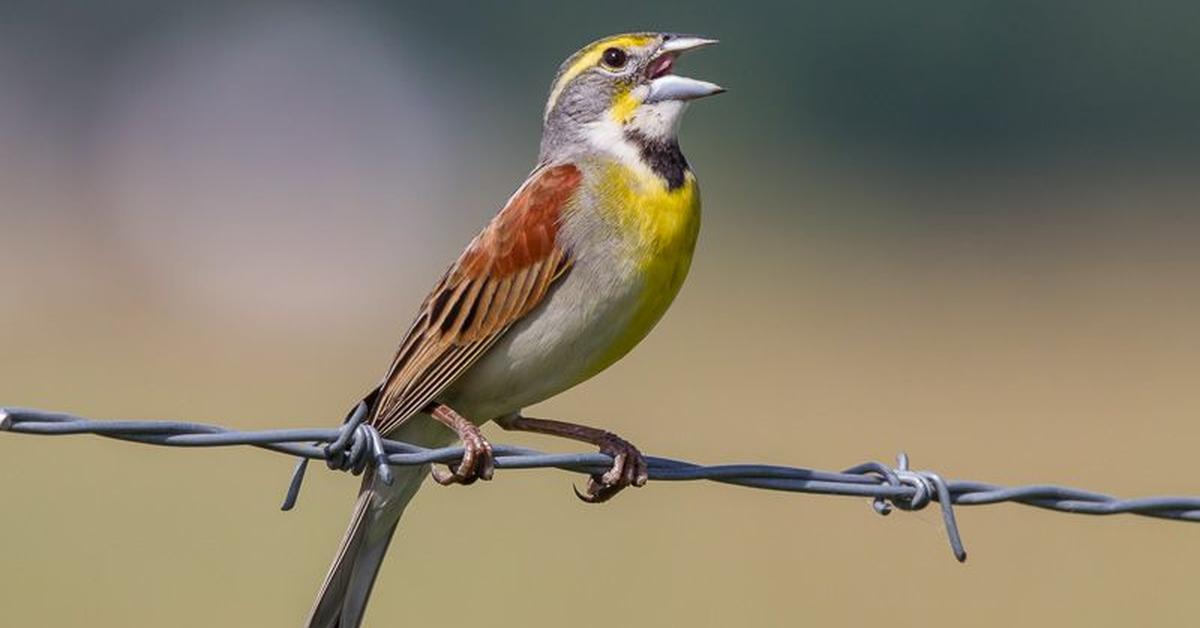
[[354, 445]]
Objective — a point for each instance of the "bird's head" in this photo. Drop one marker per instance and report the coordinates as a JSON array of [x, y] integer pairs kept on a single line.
[[621, 87]]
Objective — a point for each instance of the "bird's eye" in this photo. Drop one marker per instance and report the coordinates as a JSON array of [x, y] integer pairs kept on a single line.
[[615, 58]]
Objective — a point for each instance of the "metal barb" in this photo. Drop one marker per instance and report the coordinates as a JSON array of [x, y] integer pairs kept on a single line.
[[293, 491], [926, 486], [349, 451], [355, 444]]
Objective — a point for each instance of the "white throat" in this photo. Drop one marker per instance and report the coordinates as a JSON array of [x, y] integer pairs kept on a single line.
[[656, 123], [659, 121]]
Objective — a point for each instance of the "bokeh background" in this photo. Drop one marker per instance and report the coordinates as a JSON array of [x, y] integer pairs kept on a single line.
[[965, 229]]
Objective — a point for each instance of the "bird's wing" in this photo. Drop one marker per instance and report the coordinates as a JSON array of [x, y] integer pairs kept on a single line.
[[502, 275]]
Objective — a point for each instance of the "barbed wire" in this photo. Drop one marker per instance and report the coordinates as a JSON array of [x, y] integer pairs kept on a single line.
[[354, 445]]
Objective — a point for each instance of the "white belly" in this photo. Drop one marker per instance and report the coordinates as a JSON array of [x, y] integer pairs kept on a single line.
[[554, 347]]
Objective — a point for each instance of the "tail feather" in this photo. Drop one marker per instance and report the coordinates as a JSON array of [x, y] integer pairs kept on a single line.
[[327, 610], [342, 600]]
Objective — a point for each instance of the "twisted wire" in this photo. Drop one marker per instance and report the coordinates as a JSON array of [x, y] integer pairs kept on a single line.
[[355, 444]]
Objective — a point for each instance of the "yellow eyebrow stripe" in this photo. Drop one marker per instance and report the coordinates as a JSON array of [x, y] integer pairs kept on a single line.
[[589, 57]]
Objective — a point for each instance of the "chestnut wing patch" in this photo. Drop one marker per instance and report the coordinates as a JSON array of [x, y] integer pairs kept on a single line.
[[502, 275]]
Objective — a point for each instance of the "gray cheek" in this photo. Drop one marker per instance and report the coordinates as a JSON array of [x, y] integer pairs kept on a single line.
[[587, 97], [582, 102]]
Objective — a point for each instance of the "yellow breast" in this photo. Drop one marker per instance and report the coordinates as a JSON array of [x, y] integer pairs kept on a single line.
[[660, 225]]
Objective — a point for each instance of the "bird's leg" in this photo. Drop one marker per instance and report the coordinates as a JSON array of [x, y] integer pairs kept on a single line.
[[629, 467], [477, 460]]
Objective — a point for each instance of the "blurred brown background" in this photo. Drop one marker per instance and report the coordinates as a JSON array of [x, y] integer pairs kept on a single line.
[[964, 229]]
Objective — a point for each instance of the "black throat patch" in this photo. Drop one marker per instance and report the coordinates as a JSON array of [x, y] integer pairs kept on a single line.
[[663, 157]]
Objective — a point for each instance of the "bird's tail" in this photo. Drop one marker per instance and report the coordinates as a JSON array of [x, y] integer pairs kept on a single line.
[[342, 600]]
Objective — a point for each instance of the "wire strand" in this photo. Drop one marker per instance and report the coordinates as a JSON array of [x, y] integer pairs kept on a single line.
[[355, 444]]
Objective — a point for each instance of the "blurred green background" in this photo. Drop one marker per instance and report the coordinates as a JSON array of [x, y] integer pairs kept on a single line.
[[966, 229]]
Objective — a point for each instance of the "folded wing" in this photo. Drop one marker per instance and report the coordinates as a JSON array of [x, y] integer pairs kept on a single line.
[[502, 275]]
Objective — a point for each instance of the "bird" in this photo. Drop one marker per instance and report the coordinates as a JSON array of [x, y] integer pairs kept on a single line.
[[573, 272]]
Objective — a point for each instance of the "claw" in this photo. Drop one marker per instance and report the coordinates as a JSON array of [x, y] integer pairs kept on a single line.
[[478, 462], [615, 475], [466, 468], [629, 469], [597, 493], [487, 466], [643, 473], [442, 476]]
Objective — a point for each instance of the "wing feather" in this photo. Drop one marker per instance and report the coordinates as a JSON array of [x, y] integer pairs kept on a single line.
[[502, 275]]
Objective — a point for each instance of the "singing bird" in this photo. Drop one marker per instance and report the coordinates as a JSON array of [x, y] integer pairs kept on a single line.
[[575, 270]]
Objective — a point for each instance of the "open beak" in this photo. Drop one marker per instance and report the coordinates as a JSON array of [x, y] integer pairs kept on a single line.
[[667, 86]]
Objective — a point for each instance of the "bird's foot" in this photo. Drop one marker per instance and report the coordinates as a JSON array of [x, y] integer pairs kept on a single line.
[[629, 466], [478, 462], [629, 469]]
